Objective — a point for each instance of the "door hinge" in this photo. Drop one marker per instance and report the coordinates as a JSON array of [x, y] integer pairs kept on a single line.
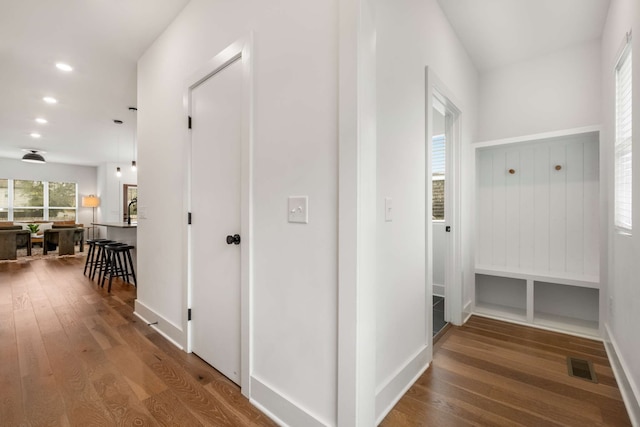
[[447, 229], [188, 314], [189, 122], [189, 218]]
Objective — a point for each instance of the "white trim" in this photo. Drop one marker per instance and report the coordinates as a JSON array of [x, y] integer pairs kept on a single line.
[[240, 50], [393, 388], [435, 88], [439, 290], [173, 333], [628, 388], [283, 411], [538, 136]]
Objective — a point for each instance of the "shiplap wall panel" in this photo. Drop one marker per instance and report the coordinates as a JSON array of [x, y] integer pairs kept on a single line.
[[541, 209], [558, 210], [574, 171], [540, 219], [512, 208], [484, 246], [527, 216], [499, 173], [591, 208]]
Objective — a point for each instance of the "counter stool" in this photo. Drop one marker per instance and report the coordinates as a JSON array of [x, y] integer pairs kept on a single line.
[[91, 255], [119, 262], [100, 259]]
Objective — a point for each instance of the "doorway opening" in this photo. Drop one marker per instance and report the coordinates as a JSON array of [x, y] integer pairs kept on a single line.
[[443, 237]]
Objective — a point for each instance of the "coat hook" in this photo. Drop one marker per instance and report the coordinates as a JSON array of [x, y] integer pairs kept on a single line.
[[558, 167], [512, 171]]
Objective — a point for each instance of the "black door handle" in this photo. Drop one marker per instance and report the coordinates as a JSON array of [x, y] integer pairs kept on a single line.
[[235, 239]]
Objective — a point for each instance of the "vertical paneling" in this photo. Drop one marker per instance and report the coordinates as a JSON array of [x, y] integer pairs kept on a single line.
[[574, 171], [484, 246], [540, 218], [527, 217], [541, 208], [591, 207], [557, 209], [499, 207], [512, 209]]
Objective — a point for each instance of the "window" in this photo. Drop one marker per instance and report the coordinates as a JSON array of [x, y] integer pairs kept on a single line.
[[623, 143], [437, 176], [4, 199], [28, 200], [62, 201], [24, 200]]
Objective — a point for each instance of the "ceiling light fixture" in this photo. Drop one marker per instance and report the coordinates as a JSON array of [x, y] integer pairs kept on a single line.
[[118, 171], [50, 100], [134, 165], [41, 120], [35, 135], [64, 67], [33, 157]]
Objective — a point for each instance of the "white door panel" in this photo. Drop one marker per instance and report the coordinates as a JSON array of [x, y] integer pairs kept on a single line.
[[215, 206]]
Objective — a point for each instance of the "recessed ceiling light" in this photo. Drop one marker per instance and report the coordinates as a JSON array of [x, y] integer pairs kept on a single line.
[[41, 120], [64, 67], [50, 100], [35, 135]]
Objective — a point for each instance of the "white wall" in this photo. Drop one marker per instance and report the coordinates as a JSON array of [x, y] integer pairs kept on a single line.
[[553, 92], [295, 153], [624, 252], [411, 34], [85, 176]]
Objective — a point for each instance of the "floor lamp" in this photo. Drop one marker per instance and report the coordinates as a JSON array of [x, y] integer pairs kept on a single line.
[[93, 202]]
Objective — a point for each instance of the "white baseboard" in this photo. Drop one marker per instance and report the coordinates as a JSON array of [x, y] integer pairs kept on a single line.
[[467, 312], [438, 290], [282, 411], [628, 388], [164, 327], [392, 390]]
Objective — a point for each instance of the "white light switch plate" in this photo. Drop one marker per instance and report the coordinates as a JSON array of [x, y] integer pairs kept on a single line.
[[298, 209], [388, 209]]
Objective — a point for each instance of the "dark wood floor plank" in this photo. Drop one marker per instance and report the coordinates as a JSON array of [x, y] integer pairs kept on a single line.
[[487, 369]]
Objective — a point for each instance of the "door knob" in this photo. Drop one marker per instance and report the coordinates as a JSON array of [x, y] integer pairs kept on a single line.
[[235, 239]]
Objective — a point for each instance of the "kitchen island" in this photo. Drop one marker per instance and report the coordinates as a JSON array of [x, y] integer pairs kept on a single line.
[[123, 233]]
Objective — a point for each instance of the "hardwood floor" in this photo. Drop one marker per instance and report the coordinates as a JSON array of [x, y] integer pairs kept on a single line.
[[490, 373], [72, 354]]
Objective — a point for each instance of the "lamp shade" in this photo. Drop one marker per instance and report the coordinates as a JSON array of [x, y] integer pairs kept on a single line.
[[90, 201], [33, 157]]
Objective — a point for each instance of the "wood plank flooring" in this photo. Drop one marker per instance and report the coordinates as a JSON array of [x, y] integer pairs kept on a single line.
[[72, 354], [491, 373]]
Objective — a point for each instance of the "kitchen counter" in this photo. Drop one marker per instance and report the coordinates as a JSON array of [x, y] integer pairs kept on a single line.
[[123, 233]]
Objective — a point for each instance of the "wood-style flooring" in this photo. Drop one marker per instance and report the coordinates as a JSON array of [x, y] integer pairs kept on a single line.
[[73, 354], [491, 373]]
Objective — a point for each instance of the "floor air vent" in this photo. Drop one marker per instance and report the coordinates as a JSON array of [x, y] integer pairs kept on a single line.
[[581, 368]]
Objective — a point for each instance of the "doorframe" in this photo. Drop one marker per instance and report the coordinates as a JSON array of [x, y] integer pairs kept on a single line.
[[240, 50], [454, 263]]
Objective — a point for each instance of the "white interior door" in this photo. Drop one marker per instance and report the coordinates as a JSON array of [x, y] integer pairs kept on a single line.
[[215, 205]]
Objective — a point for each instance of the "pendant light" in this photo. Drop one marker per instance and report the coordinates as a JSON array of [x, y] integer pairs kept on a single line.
[[118, 171], [134, 165]]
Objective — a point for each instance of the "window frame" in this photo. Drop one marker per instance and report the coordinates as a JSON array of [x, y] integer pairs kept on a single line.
[[45, 208], [623, 145]]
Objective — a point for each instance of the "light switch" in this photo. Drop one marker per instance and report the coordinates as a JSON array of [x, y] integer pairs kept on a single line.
[[298, 209], [388, 209]]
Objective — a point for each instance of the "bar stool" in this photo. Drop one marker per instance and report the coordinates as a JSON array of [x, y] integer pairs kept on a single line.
[[119, 261], [91, 255], [100, 260]]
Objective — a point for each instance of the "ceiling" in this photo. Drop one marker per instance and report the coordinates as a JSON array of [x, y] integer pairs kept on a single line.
[[502, 32], [102, 40]]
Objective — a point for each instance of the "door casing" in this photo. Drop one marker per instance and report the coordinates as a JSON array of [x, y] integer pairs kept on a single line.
[[240, 50]]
